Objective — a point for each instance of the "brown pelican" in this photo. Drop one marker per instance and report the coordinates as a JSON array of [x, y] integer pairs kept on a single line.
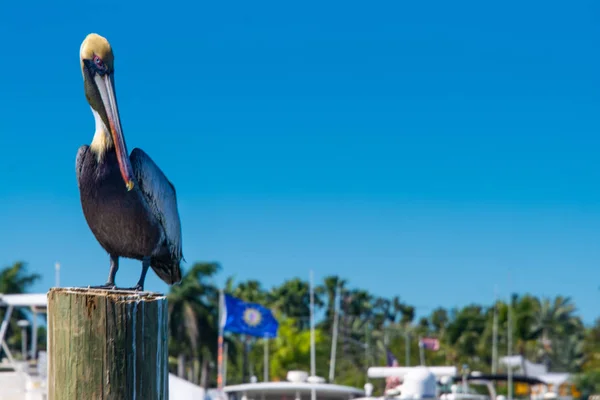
[[128, 203]]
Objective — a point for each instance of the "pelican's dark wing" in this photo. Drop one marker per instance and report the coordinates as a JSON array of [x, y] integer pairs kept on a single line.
[[79, 161], [161, 197]]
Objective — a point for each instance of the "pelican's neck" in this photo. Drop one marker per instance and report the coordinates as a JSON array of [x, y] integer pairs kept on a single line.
[[102, 141]]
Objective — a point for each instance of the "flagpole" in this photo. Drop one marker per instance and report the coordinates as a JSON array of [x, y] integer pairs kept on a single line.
[[509, 353], [251, 376], [495, 334], [334, 338], [220, 343], [421, 351], [509, 344], [225, 359], [57, 274], [366, 345], [312, 334], [266, 367], [407, 347]]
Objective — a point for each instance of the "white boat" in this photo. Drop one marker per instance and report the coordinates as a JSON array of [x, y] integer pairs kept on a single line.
[[443, 383], [458, 388], [477, 378], [23, 380], [299, 386], [418, 382]]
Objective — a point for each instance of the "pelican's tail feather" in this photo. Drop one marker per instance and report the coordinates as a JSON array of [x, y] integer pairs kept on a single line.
[[167, 270]]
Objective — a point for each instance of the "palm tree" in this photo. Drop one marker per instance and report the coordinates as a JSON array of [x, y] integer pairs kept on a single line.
[[524, 312], [408, 314], [439, 320], [364, 326], [383, 312], [465, 330], [15, 279], [588, 381], [554, 323], [569, 354], [251, 291], [592, 348], [358, 304], [193, 327], [328, 289], [396, 308], [292, 299]]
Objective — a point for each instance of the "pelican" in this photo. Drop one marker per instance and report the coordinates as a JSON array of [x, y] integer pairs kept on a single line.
[[128, 202]]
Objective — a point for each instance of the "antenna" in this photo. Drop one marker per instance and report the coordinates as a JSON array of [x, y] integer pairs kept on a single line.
[[510, 333], [334, 338], [57, 274], [312, 333], [495, 333]]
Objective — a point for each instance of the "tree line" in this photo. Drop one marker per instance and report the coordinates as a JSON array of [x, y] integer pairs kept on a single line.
[[544, 330]]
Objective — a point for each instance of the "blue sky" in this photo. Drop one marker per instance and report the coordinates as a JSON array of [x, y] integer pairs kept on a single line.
[[421, 149]]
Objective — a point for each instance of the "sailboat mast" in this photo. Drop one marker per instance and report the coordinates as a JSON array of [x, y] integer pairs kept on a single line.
[[221, 322], [313, 366], [495, 334], [312, 326], [334, 338], [57, 274], [509, 350]]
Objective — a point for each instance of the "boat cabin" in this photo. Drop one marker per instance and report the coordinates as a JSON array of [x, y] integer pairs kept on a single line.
[[299, 386]]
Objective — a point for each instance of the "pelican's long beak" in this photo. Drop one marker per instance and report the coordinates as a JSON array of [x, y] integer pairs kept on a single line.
[[105, 86]]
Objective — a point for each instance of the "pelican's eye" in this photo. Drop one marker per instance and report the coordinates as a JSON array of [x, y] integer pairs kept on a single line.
[[99, 63]]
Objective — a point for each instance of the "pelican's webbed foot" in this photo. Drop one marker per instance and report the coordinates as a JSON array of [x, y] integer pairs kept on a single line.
[[110, 283], [107, 286], [136, 288]]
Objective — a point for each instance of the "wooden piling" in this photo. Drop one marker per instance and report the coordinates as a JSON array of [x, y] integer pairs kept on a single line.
[[107, 344]]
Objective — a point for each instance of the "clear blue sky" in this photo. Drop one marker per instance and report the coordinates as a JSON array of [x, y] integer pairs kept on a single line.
[[421, 149]]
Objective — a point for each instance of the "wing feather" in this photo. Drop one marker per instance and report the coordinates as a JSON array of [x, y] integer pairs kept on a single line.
[[161, 197], [79, 160]]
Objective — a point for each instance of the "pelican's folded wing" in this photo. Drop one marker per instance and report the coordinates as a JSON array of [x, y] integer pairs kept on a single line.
[[81, 153], [161, 197]]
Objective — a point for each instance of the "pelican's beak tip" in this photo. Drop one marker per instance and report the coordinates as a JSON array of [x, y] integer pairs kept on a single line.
[[129, 185]]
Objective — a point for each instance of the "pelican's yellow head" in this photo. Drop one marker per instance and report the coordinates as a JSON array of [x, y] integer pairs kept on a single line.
[[95, 45], [97, 67]]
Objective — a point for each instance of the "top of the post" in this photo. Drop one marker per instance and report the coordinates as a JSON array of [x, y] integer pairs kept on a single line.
[[118, 295]]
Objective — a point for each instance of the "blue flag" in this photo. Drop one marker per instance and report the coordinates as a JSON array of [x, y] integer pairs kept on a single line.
[[248, 318]]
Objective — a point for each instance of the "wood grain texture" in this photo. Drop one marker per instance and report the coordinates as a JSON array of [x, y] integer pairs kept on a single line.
[[107, 345]]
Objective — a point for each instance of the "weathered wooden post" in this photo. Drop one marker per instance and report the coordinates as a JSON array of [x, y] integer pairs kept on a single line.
[[107, 344]]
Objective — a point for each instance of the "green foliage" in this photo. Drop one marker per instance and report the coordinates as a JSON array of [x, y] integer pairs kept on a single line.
[[15, 279], [291, 348], [589, 380], [592, 347], [193, 309], [588, 383], [544, 330]]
